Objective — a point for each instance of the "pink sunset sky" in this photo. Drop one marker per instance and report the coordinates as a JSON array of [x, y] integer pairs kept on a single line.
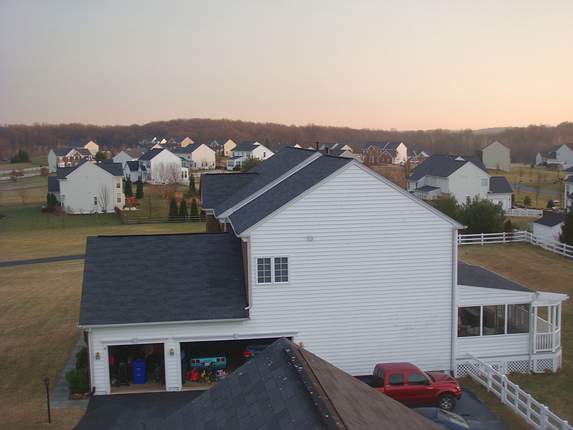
[[374, 64]]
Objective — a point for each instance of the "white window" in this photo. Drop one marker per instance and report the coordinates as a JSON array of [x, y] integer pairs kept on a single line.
[[272, 270], [263, 270], [281, 269], [484, 182], [95, 200], [119, 199]]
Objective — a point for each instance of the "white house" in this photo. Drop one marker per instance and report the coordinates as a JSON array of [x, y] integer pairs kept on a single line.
[[496, 156], [561, 155], [68, 156], [89, 188], [549, 226], [134, 170], [123, 157], [245, 151], [568, 190], [500, 192], [160, 166], [198, 156], [376, 153], [285, 268]]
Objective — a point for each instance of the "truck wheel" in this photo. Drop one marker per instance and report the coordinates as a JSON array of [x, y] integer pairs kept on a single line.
[[447, 402]]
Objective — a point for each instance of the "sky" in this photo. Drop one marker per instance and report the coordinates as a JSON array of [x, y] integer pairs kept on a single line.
[[404, 64]]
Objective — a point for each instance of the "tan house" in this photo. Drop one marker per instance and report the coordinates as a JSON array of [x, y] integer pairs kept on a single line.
[[496, 156], [92, 147]]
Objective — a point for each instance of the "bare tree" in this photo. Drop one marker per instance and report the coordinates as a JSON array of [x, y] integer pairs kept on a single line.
[[103, 198]]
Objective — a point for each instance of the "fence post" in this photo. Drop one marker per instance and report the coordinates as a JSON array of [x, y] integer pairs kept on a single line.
[[504, 389], [543, 417], [529, 407], [481, 236]]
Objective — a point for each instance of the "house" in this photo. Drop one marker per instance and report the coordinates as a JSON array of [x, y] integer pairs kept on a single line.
[[376, 153], [548, 227], [147, 144], [160, 166], [197, 155], [325, 146], [559, 155], [496, 156], [285, 269], [500, 192], [222, 147], [91, 146], [568, 190], [89, 187], [123, 157], [245, 151], [68, 156], [461, 177], [417, 157], [134, 170]]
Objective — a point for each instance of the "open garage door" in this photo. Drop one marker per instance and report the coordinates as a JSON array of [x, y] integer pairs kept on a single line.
[[205, 363], [137, 368]]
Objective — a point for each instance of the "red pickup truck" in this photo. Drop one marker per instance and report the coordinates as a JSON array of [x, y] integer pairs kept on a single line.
[[409, 385]]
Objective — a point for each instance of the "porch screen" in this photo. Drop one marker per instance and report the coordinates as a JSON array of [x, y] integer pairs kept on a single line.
[[468, 321], [517, 319], [493, 320]]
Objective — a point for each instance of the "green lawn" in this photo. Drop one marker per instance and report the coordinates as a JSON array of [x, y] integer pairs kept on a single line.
[[539, 270]]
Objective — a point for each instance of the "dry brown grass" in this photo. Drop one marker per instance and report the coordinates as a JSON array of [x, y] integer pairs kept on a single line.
[[539, 270], [17, 245], [39, 308]]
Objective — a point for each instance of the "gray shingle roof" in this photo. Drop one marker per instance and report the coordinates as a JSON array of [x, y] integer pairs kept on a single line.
[[217, 187], [287, 387], [443, 166], [60, 152], [389, 146], [550, 219], [116, 169], [476, 276], [151, 154], [162, 278], [266, 172], [63, 172], [285, 191], [53, 184], [427, 188], [499, 185], [133, 165]]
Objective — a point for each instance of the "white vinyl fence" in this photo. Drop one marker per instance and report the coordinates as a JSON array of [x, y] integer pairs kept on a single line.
[[521, 402], [521, 212], [516, 236]]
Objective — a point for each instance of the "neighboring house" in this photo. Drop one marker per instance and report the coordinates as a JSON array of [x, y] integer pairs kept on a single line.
[[549, 226], [377, 153], [68, 156], [417, 157], [148, 144], [559, 155], [54, 186], [90, 188], [245, 151], [198, 156], [222, 147], [160, 166], [568, 190], [500, 192], [134, 170], [285, 268], [123, 157], [496, 156], [334, 146], [186, 141], [461, 177], [92, 147]]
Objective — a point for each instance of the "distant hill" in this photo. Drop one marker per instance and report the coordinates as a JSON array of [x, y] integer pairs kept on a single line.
[[524, 142]]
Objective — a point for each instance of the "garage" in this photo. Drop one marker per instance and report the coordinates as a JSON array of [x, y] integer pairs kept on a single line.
[[207, 362], [136, 368]]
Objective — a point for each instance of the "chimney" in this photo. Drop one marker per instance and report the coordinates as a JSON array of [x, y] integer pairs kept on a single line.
[[316, 145]]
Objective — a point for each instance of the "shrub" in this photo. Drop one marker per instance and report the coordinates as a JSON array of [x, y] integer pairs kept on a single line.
[[139, 189], [82, 359], [78, 381], [482, 216], [128, 190], [566, 235], [527, 201], [448, 206]]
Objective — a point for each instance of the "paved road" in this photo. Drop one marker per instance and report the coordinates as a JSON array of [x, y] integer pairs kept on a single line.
[[534, 190], [41, 260]]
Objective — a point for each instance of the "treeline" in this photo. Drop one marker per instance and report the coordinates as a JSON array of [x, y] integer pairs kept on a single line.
[[524, 142]]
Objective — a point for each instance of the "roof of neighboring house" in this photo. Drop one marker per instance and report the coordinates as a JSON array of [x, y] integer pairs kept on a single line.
[[427, 188], [83, 151], [116, 169], [133, 152], [552, 152], [217, 187], [121, 287], [288, 387], [246, 146], [151, 154], [499, 185], [550, 219], [569, 179], [63, 151], [388, 146], [285, 191], [53, 184], [475, 276], [133, 166], [187, 149], [443, 166], [495, 142], [266, 173], [63, 172]]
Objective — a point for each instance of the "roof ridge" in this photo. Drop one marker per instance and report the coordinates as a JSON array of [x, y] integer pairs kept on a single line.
[[213, 233]]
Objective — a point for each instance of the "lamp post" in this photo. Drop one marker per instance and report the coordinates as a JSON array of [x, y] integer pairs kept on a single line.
[[47, 384]]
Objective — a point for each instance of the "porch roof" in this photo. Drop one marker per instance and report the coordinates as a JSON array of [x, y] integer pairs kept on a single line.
[[475, 276], [547, 299]]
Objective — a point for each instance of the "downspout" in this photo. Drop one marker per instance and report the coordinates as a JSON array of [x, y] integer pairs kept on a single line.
[[453, 366], [246, 267]]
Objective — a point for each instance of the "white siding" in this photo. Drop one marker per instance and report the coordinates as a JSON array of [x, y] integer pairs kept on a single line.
[[547, 232], [503, 199], [203, 157], [370, 279], [165, 167], [52, 161], [496, 156], [474, 296], [467, 182]]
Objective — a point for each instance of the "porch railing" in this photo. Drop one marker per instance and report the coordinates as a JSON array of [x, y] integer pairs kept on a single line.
[[544, 342], [510, 394], [516, 236], [522, 212]]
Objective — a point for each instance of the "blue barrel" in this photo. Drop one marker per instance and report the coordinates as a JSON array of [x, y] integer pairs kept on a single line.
[[138, 371]]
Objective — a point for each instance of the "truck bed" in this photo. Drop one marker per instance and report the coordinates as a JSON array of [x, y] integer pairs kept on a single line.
[[373, 381]]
